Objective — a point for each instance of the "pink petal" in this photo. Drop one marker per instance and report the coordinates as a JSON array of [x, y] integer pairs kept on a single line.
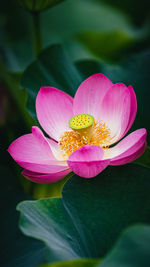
[[90, 94], [56, 150], [54, 109], [46, 167], [133, 108], [115, 110], [42, 142], [129, 149], [45, 178], [87, 161], [33, 152]]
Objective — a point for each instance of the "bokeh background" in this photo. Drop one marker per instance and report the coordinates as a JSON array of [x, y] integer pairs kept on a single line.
[[108, 36]]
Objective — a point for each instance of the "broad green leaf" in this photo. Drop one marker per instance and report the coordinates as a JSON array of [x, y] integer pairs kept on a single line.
[[131, 250], [111, 46], [92, 213], [38, 5], [16, 250], [74, 263]]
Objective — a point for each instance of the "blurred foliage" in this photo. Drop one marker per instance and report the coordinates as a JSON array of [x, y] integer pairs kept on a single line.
[[83, 223], [16, 249], [65, 23], [38, 5], [15, 36], [137, 10], [24, 251], [73, 263], [114, 45]]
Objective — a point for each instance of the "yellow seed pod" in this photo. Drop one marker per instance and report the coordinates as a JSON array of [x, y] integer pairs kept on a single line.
[[81, 121]]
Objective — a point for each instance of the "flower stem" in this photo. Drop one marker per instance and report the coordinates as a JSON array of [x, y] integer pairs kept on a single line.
[[11, 81], [37, 38]]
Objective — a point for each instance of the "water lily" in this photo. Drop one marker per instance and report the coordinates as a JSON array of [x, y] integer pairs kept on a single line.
[[84, 131]]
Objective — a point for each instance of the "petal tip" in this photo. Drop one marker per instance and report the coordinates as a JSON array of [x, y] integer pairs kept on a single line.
[[44, 88], [98, 75], [9, 149], [35, 129], [121, 85]]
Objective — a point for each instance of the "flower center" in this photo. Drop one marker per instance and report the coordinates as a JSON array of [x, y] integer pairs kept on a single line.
[[81, 121], [82, 124], [84, 131]]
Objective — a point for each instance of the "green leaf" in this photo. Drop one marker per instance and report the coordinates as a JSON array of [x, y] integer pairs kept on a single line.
[[144, 160], [52, 68], [73, 263], [131, 250], [38, 5], [108, 35], [122, 42], [16, 250], [16, 42], [137, 10], [92, 213]]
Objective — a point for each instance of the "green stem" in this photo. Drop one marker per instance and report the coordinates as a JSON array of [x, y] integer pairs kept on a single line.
[[37, 38], [16, 93]]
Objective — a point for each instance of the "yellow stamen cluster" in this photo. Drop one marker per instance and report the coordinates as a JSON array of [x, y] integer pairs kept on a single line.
[[100, 135], [74, 139]]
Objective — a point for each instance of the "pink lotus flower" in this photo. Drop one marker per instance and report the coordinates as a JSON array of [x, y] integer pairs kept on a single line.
[[83, 131]]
